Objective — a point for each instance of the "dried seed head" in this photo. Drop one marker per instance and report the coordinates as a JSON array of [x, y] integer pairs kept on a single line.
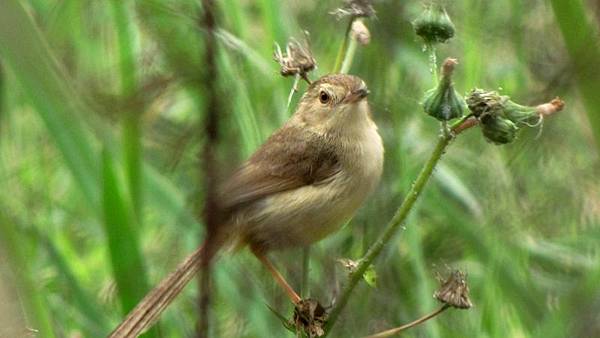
[[297, 60], [443, 102], [454, 291], [360, 32], [501, 118], [310, 316], [434, 25], [354, 9]]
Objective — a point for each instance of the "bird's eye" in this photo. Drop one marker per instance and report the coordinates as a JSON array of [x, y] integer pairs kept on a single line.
[[324, 97]]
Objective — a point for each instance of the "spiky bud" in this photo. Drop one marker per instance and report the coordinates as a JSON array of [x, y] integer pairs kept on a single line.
[[434, 25], [443, 102]]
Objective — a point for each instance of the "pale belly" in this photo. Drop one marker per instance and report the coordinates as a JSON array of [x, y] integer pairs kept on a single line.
[[303, 216]]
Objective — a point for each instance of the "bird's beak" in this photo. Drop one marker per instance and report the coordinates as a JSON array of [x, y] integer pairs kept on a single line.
[[357, 95]]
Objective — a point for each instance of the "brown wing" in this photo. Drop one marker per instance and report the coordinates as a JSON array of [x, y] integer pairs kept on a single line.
[[289, 159]]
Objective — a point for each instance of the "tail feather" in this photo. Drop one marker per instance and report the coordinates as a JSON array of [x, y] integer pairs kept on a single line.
[[155, 302]]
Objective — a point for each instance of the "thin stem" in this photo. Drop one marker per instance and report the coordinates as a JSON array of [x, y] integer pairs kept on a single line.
[[207, 22], [292, 91], [399, 218], [352, 46], [343, 48], [304, 293], [391, 332], [433, 62]]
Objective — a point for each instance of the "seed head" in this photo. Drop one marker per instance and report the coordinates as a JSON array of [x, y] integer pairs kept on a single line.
[[354, 9], [434, 25], [454, 291], [298, 58]]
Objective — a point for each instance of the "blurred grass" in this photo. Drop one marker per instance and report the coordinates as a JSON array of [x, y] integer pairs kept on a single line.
[[522, 220]]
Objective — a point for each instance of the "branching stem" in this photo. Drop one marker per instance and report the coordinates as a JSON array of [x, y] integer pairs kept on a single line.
[[398, 219], [394, 331]]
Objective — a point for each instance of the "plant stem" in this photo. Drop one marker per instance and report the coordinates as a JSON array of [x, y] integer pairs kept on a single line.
[[433, 62], [391, 332], [399, 218], [305, 271], [343, 48], [292, 91], [349, 56]]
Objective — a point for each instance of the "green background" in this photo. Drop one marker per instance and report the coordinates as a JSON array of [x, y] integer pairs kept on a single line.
[[101, 104]]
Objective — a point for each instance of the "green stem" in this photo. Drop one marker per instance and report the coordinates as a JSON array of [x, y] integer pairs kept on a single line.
[[393, 332], [305, 270], [392, 227], [433, 62], [347, 63], [343, 48], [131, 134]]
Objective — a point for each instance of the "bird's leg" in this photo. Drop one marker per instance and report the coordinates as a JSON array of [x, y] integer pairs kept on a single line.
[[278, 277]]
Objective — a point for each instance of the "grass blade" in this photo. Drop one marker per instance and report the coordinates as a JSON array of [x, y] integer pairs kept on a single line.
[[583, 46], [127, 263]]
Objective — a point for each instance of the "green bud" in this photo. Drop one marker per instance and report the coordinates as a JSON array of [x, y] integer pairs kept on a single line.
[[443, 102], [434, 25], [483, 102], [498, 129]]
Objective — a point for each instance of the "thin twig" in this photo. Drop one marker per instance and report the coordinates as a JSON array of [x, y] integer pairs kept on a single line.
[[394, 331], [209, 173]]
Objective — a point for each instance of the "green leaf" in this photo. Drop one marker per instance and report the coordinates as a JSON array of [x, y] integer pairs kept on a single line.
[[125, 255]]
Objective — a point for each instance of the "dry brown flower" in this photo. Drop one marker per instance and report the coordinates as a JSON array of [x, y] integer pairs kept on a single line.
[[454, 291], [354, 9], [297, 59]]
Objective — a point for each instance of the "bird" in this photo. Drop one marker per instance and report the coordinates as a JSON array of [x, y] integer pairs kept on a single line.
[[301, 185]]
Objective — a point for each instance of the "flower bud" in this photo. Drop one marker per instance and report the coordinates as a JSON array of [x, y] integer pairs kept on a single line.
[[434, 25], [360, 32], [482, 103], [443, 102], [497, 129]]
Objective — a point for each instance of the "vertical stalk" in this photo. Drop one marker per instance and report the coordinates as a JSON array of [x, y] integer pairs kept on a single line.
[[583, 46], [347, 63], [304, 293], [207, 24], [433, 68], [131, 133], [343, 48]]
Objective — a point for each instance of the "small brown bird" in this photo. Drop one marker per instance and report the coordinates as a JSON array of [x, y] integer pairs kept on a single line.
[[302, 184]]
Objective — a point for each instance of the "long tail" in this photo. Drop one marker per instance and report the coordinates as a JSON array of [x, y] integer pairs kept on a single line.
[[157, 300]]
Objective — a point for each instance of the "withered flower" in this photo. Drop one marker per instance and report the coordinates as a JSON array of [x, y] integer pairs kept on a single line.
[[354, 9], [310, 316], [454, 291], [297, 60], [443, 102], [501, 118]]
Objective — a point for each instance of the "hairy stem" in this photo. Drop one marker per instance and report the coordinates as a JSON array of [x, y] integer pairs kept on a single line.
[[399, 218], [394, 331]]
